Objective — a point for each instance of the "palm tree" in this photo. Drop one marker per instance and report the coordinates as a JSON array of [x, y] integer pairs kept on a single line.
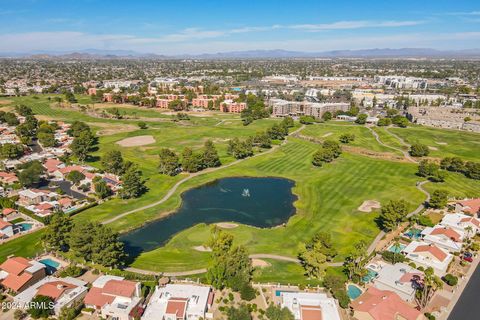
[[430, 284], [396, 245]]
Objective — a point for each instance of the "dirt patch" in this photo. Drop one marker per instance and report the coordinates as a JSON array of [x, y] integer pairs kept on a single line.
[[4, 102], [108, 129], [374, 154], [369, 205], [202, 249], [441, 143], [227, 225], [433, 148], [328, 134], [136, 141], [260, 263]]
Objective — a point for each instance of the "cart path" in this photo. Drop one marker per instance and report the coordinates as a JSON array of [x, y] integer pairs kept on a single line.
[[405, 153], [196, 174]]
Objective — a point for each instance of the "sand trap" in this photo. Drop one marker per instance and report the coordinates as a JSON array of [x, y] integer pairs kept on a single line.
[[136, 141], [441, 143], [368, 205], [227, 225], [202, 249], [328, 134], [433, 148], [260, 263]]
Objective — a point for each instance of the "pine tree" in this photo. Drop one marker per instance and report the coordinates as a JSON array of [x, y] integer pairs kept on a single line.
[[133, 185]]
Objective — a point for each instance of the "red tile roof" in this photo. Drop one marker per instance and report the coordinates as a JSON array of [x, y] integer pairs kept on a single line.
[[177, 306], [52, 164], [96, 298], [4, 224], [15, 282], [122, 288], [8, 211], [434, 250], [474, 221], [473, 205], [384, 305], [54, 289], [311, 313], [15, 265], [449, 232]]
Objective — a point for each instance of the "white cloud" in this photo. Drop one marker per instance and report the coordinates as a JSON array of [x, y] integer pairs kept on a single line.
[[354, 25]]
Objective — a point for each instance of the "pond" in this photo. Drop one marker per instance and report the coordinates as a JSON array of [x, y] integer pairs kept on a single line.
[[258, 202]]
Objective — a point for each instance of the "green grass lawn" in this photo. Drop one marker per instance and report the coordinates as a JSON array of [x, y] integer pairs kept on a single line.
[[448, 143], [328, 201], [328, 197], [333, 131]]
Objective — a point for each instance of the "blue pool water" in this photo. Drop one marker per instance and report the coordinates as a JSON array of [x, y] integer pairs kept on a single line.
[[50, 263], [396, 249], [353, 291], [278, 293], [370, 276], [413, 233], [26, 226]]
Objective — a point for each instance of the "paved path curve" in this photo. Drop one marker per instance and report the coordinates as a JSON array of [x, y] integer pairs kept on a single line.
[[193, 175], [405, 153], [422, 206]]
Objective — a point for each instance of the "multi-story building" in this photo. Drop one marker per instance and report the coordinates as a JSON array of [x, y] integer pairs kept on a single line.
[[18, 273]]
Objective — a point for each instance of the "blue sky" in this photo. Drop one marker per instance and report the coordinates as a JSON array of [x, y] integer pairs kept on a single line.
[[176, 27]]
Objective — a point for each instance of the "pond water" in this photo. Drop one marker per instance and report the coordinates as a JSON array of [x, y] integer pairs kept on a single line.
[[259, 202]]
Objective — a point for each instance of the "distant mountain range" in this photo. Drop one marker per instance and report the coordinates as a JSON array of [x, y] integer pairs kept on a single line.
[[251, 54]]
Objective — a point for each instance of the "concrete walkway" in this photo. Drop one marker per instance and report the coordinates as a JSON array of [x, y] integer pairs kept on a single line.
[[405, 153], [196, 174]]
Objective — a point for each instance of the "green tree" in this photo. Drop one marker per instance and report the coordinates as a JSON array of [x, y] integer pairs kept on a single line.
[[315, 253], [327, 116], [384, 122], [288, 122], [82, 145], [419, 150], [355, 261], [31, 173], [191, 162], [392, 214], [47, 139], [169, 163], [431, 283], [347, 138], [240, 313], [102, 190], [75, 177], [400, 121], [11, 151], [307, 120], [57, 234], [274, 312], [361, 119], [41, 307], [439, 199], [142, 125], [210, 155], [106, 249], [113, 162], [133, 186]]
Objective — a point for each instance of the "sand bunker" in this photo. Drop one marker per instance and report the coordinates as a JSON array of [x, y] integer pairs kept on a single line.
[[202, 249], [227, 225], [136, 141], [369, 205], [328, 134], [260, 263]]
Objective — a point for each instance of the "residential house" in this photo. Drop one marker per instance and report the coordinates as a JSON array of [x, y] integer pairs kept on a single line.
[[310, 306], [18, 273], [471, 207], [8, 178], [399, 278], [461, 222], [179, 302], [376, 304], [444, 237], [34, 196], [6, 229], [428, 255], [114, 297], [62, 173], [63, 291], [53, 165]]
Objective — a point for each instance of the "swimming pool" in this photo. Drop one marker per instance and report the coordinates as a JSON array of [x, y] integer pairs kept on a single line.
[[353, 291], [50, 263], [278, 293], [413, 233], [25, 226], [370, 276], [397, 248]]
